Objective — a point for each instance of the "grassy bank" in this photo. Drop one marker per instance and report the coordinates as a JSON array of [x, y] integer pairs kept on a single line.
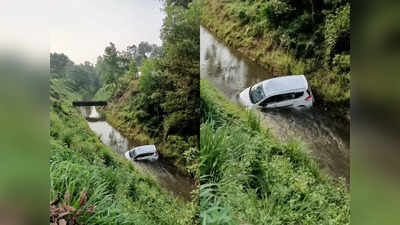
[[288, 46], [248, 177], [91, 184]]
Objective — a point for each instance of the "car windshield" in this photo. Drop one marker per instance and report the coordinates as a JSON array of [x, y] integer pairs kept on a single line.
[[256, 94]]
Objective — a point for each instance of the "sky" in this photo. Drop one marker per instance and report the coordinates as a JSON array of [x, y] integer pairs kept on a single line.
[[81, 29]]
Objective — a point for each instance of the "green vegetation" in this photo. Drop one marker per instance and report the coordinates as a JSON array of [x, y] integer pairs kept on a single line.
[[81, 79], [85, 174], [161, 106], [153, 95], [117, 69], [291, 37], [248, 177]]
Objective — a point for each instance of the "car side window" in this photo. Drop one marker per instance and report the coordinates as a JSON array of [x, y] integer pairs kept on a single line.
[[268, 101], [283, 97], [288, 96], [280, 98], [298, 94], [144, 155]]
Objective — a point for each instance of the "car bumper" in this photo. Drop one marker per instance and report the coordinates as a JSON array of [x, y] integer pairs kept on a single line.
[[127, 155], [244, 98]]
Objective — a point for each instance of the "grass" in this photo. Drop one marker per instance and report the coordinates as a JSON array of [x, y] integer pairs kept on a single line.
[[248, 177], [331, 88], [80, 163]]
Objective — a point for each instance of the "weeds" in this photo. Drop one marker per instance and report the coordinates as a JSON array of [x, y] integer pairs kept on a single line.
[[214, 212], [64, 213], [253, 120]]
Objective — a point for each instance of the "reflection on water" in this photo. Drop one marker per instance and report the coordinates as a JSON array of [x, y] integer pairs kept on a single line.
[[109, 136], [227, 69], [93, 113], [231, 73], [167, 176]]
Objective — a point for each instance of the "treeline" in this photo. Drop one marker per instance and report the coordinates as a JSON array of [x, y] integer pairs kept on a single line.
[[86, 78], [163, 101], [81, 78], [291, 37]]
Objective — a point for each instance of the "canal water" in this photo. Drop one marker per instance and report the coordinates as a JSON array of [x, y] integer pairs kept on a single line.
[[165, 174], [327, 140]]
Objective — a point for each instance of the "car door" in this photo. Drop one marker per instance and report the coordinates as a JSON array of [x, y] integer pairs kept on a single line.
[[284, 100], [298, 98], [268, 102]]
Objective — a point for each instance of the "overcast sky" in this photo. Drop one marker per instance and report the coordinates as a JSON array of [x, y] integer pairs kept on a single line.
[[83, 28]]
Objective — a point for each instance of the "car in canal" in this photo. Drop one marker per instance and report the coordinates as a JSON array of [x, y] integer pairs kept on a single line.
[[279, 92], [145, 152]]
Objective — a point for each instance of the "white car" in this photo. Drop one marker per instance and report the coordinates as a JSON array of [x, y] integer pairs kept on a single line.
[[145, 152], [286, 91]]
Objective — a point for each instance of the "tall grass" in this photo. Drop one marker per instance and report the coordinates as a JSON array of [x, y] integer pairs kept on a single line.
[[215, 211], [253, 120], [251, 178]]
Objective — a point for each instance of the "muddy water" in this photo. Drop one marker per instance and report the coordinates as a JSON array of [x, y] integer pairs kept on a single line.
[[327, 141], [166, 175]]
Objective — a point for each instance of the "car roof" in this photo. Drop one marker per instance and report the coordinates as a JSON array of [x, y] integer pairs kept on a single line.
[[285, 84], [144, 149]]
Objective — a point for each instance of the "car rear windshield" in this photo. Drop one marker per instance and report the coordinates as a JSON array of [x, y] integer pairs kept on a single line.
[[256, 94]]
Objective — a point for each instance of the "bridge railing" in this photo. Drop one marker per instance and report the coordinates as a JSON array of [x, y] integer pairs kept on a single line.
[[89, 103]]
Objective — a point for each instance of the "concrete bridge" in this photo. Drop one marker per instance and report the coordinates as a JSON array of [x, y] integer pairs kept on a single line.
[[89, 103]]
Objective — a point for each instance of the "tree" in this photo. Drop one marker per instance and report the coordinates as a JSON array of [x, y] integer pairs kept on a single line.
[[111, 65], [133, 70], [183, 3], [156, 51], [131, 51], [143, 52], [180, 33], [180, 63], [59, 64], [83, 78]]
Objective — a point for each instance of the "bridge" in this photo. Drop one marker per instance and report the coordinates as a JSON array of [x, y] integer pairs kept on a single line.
[[89, 103]]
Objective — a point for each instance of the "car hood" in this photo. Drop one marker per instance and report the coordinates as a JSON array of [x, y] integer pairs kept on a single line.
[[244, 98]]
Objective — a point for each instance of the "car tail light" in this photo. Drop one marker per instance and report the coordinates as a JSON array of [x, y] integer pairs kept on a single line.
[[309, 97]]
